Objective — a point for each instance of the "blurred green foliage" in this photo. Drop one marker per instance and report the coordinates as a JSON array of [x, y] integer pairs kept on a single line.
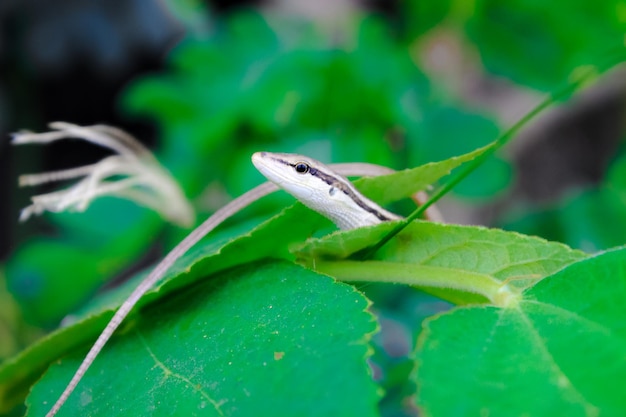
[[536, 44], [99, 244], [14, 334], [290, 88]]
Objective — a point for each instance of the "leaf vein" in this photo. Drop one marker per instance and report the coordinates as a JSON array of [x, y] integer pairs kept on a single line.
[[593, 324], [590, 409], [169, 372]]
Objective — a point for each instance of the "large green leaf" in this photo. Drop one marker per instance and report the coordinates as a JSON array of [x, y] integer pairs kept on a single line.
[[390, 188], [262, 339], [560, 351]]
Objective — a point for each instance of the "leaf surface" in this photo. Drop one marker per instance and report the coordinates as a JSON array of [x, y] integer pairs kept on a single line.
[[560, 351], [279, 350]]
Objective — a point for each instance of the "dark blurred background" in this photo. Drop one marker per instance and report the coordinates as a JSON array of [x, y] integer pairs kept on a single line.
[[69, 60]]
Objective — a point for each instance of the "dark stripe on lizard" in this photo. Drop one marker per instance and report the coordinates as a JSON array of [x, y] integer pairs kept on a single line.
[[340, 184]]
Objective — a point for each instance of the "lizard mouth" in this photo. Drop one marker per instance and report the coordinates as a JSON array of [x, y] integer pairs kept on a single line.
[[261, 161]]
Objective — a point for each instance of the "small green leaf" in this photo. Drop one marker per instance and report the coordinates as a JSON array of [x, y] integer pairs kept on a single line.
[[262, 339], [393, 187], [560, 351]]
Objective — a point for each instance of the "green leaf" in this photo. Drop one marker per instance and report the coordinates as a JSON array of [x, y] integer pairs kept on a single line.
[[449, 258], [262, 339], [559, 351], [389, 188]]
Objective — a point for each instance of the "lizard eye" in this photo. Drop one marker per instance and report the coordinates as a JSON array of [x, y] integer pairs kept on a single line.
[[301, 167]]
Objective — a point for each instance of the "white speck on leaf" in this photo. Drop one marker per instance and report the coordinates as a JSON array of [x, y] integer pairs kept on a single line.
[[85, 398]]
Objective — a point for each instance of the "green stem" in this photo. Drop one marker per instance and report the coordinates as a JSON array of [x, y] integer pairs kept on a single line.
[[612, 60], [422, 276]]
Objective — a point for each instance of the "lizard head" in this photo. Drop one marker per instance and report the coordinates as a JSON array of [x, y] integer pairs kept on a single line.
[[319, 188]]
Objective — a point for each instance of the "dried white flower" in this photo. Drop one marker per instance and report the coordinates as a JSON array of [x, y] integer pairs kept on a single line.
[[141, 177]]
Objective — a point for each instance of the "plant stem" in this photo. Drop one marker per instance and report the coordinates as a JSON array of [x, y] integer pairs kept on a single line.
[[612, 60], [422, 276]]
